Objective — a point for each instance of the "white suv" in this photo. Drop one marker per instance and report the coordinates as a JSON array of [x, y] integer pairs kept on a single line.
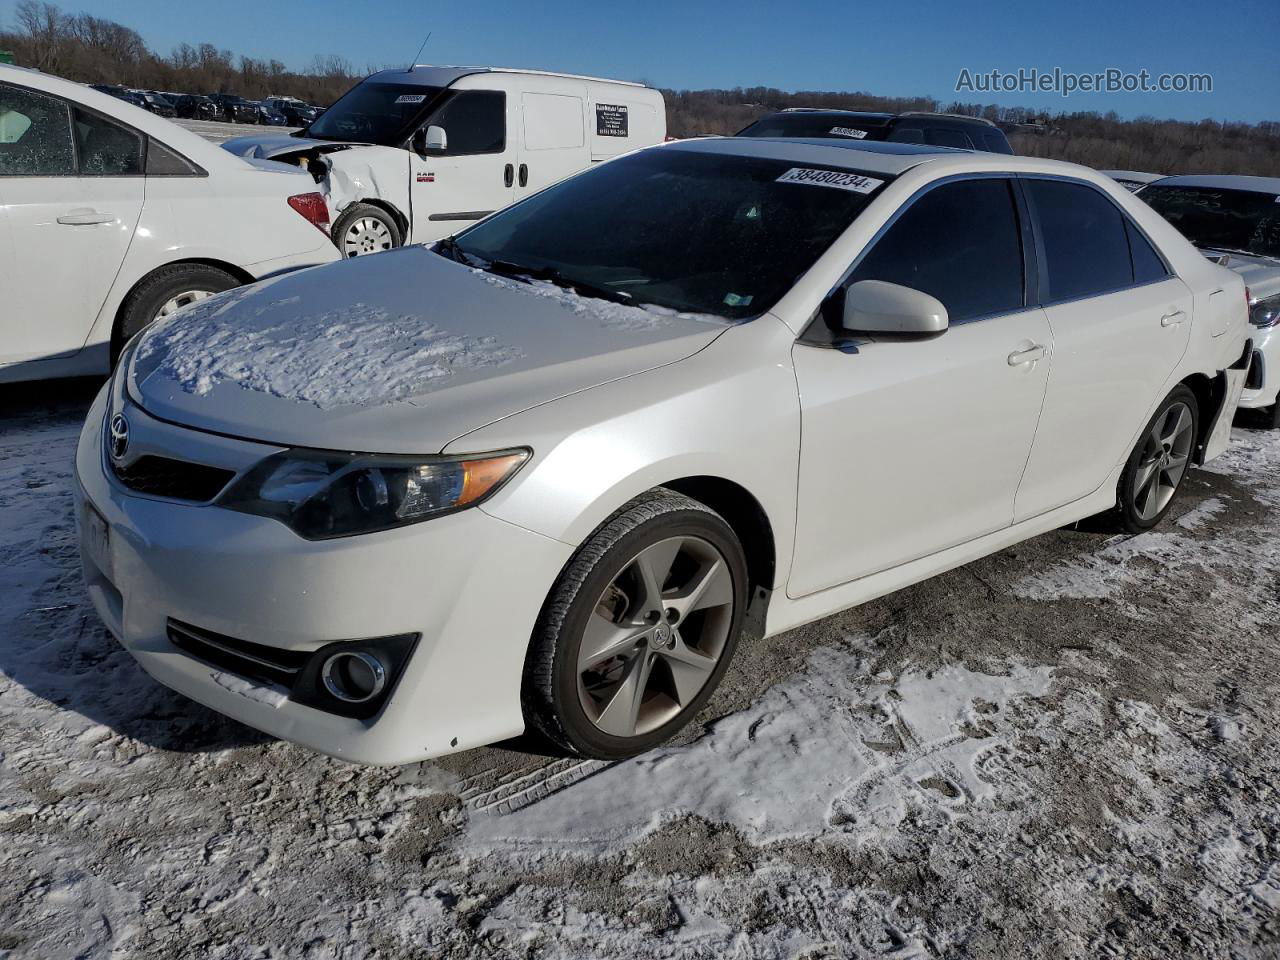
[[111, 217], [707, 385]]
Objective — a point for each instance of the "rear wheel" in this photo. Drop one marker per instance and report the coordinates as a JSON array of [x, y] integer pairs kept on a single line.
[[638, 630], [1155, 470], [363, 229], [164, 292]]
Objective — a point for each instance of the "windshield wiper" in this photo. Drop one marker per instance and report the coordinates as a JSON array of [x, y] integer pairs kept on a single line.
[[518, 271]]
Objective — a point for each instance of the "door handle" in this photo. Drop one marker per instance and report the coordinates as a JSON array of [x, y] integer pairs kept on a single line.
[[524, 175], [85, 218], [1173, 319], [1029, 355], [509, 175]]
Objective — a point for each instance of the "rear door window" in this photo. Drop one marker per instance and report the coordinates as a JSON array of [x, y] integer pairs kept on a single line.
[[35, 135], [107, 149], [1086, 248], [960, 242]]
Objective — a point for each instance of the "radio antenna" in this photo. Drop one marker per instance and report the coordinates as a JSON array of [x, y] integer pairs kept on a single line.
[[419, 53]]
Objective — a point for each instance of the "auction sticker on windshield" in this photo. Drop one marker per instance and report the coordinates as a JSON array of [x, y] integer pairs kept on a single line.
[[849, 132], [831, 178]]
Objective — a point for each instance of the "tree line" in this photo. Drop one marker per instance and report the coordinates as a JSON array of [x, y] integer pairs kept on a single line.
[[96, 50]]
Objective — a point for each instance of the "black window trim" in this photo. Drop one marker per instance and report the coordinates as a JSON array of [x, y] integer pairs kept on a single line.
[[446, 96], [1125, 218], [71, 106], [816, 332]]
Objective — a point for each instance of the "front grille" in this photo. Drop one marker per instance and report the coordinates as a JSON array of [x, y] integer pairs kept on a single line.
[[251, 660], [177, 479]]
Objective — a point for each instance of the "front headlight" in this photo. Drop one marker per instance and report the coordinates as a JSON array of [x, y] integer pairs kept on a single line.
[[320, 495], [1265, 313]]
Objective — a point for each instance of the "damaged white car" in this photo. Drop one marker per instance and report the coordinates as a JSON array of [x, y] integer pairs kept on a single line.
[[548, 472], [413, 155]]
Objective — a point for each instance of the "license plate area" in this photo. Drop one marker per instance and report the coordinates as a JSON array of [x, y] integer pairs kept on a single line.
[[97, 541]]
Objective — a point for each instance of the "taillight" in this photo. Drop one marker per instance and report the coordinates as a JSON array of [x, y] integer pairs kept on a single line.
[[312, 207]]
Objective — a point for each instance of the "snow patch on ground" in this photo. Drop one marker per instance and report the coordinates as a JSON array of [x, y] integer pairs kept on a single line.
[[362, 354], [799, 763]]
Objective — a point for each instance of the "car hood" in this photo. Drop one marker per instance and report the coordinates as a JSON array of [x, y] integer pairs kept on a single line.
[[1261, 274], [400, 352], [275, 145]]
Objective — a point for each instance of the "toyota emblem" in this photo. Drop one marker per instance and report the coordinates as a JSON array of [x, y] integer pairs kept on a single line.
[[119, 436]]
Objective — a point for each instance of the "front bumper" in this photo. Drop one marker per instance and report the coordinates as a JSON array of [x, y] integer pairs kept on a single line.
[[471, 585]]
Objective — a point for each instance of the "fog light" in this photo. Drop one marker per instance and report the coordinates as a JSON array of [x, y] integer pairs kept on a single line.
[[353, 676]]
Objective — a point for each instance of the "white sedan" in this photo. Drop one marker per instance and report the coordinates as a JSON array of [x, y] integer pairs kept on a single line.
[[111, 217], [548, 473]]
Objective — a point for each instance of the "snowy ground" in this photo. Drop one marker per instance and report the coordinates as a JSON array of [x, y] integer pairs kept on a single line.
[[1070, 749]]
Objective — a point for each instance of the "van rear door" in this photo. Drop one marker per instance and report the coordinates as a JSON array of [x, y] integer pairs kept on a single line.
[[553, 131]]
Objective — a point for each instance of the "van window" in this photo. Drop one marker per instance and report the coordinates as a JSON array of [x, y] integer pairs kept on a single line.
[[1085, 246], [552, 121], [475, 122], [35, 135], [959, 242]]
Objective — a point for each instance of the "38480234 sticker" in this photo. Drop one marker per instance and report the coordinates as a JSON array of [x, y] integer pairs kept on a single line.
[[853, 132], [837, 179]]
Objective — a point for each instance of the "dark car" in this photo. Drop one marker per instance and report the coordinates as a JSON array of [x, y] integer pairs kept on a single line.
[[158, 104], [234, 109], [121, 93], [194, 107], [934, 129], [296, 112], [269, 115]]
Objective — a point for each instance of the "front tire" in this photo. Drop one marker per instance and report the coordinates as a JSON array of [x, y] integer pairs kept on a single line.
[[638, 630], [1158, 464], [363, 229], [163, 292]]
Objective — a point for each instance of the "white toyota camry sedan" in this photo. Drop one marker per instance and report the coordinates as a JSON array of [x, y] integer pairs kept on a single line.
[[551, 473], [111, 217]]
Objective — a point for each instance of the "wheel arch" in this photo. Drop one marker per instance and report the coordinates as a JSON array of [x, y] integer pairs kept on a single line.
[[749, 520], [402, 221], [242, 275]]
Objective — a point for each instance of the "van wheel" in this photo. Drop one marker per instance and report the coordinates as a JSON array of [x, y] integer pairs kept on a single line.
[[363, 229], [1159, 462], [638, 630], [163, 292]]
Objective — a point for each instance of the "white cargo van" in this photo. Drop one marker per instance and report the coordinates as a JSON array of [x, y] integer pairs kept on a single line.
[[415, 154]]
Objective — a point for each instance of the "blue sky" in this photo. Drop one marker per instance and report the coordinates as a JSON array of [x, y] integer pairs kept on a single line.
[[883, 47]]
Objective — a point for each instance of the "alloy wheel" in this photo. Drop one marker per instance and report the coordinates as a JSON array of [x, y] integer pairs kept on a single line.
[[1166, 453], [655, 636], [366, 235]]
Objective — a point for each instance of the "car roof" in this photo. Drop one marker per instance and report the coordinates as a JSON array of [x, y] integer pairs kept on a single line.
[[1256, 184], [429, 75], [891, 159]]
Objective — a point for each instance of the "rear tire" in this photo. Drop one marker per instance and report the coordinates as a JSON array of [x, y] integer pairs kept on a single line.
[[638, 630], [1159, 462], [363, 229], [164, 291]]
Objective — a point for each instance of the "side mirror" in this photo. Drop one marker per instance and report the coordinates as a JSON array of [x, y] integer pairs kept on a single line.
[[874, 306], [433, 139]]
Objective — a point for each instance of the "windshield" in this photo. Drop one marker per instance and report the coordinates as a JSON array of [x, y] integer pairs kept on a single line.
[[693, 232], [1242, 220], [374, 113], [817, 125]]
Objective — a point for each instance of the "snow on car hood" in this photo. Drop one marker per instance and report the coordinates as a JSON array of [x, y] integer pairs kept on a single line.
[[400, 352]]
